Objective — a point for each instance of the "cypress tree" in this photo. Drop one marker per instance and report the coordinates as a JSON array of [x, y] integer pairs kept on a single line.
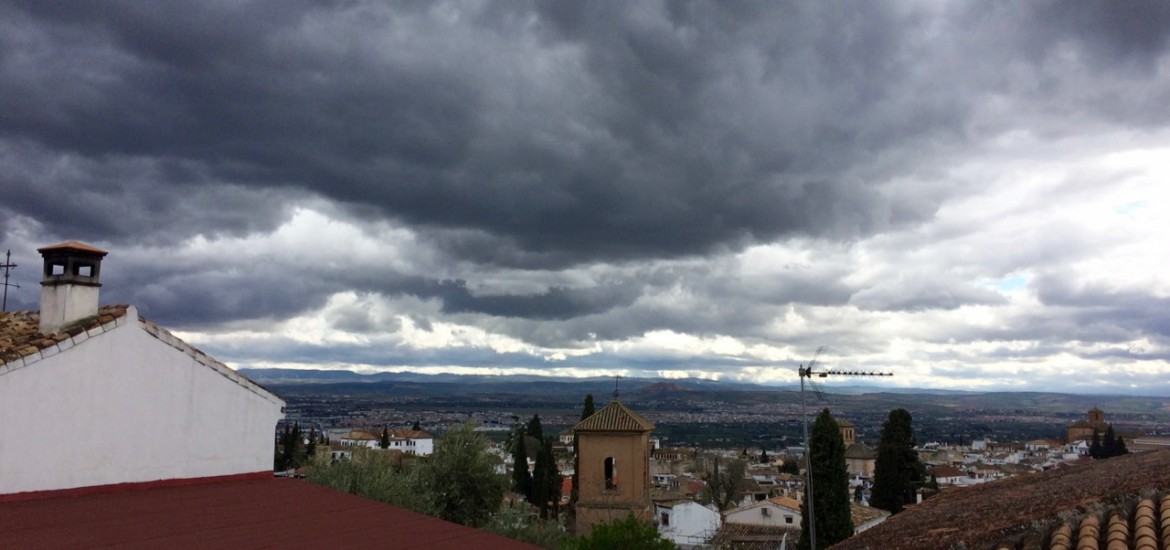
[[763, 456], [521, 479], [897, 471], [546, 482], [1109, 445], [830, 480], [534, 429], [416, 427], [586, 412], [384, 441]]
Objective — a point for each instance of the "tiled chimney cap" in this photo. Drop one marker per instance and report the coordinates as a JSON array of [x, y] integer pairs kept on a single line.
[[72, 245]]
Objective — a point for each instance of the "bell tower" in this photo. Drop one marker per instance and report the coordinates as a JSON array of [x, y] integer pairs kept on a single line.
[[69, 285], [613, 471]]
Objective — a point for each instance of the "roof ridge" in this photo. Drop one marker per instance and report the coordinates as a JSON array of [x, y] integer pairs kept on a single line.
[[614, 417]]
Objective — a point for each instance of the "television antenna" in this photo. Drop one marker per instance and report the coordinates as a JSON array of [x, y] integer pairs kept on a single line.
[[809, 372], [7, 265]]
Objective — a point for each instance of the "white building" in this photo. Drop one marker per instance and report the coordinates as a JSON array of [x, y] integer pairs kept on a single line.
[[411, 442], [95, 396], [686, 522], [774, 512]]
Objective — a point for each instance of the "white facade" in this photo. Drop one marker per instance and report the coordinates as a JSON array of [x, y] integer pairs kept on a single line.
[[767, 513], [686, 523], [128, 402]]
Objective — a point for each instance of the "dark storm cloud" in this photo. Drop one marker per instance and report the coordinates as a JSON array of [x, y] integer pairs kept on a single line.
[[649, 133]]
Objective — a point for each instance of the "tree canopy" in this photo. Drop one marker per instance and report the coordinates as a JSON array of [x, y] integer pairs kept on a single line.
[[461, 478], [534, 429], [521, 478], [630, 533], [723, 483], [1112, 445], [897, 473], [830, 486], [546, 482], [588, 410]]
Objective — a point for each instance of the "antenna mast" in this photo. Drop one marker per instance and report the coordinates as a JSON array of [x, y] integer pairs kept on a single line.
[[7, 265], [808, 372]]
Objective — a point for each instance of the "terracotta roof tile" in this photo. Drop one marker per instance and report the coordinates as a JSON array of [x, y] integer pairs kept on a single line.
[[20, 331], [860, 451], [614, 417], [73, 245], [1119, 503]]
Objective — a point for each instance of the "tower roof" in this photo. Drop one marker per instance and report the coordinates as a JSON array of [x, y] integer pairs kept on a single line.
[[614, 417], [72, 245]]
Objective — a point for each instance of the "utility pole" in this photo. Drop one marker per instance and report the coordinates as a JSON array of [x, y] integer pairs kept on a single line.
[[7, 265], [808, 372]]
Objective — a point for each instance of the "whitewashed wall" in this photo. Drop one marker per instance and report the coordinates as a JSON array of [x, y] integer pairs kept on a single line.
[[127, 406]]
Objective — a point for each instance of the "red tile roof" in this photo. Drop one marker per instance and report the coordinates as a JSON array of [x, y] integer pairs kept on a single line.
[[267, 513], [614, 417], [20, 334], [1071, 505], [73, 245]]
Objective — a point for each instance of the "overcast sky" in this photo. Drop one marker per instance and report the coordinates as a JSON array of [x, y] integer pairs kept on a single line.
[[971, 195]]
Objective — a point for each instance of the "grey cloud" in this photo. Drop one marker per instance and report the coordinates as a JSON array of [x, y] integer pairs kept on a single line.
[[699, 129]]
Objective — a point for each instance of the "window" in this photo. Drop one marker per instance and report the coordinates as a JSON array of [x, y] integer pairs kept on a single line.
[[83, 270], [764, 511], [665, 519], [788, 520], [610, 473]]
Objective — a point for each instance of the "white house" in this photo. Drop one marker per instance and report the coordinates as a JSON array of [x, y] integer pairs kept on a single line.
[[774, 512], [686, 522], [95, 396], [411, 442]]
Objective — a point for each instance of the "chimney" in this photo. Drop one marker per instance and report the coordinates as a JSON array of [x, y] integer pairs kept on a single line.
[[69, 287]]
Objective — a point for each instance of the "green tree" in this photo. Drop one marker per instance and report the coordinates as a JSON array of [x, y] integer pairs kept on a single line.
[[764, 456], [292, 449], [416, 427], [897, 472], [724, 483], [384, 441], [373, 475], [1109, 444], [830, 486], [790, 467], [521, 479], [588, 410], [1120, 449], [534, 429], [630, 533], [461, 478], [519, 523], [546, 482], [311, 448]]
